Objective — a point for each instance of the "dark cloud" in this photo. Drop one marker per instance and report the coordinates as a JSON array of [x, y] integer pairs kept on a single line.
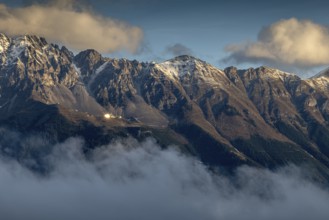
[[178, 49], [131, 180]]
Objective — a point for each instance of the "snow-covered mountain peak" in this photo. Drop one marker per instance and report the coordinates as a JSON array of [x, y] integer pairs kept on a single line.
[[268, 72], [181, 66]]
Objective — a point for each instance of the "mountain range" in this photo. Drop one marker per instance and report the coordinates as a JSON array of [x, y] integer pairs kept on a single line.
[[261, 117]]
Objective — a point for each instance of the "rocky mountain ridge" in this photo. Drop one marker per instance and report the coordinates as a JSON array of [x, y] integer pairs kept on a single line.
[[262, 117]]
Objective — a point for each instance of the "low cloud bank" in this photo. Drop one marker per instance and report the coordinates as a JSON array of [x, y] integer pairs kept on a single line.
[[130, 180]]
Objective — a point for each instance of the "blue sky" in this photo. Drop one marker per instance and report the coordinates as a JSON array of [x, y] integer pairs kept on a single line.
[[206, 27], [202, 28]]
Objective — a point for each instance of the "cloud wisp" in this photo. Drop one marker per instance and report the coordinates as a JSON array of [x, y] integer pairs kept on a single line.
[[70, 24], [131, 180], [296, 43], [178, 50]]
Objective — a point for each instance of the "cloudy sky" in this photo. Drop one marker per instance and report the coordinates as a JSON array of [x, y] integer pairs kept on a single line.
[[290, 35]]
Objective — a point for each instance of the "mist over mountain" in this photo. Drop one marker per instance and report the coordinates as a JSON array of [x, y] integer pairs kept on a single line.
[[182, 125], [129, 179]]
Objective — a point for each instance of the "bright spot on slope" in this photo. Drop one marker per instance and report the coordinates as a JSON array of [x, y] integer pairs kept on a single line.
[[107, 116]]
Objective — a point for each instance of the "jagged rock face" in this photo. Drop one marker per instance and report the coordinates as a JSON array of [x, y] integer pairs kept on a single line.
[[33, 69], [263, 116], [87, 62], [31, 58], [241, 109]]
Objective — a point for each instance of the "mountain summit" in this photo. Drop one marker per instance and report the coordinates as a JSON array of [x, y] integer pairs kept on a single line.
[[261, 117]]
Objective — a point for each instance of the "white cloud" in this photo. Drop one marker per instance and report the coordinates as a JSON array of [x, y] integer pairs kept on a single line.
[[291, 42], [78, 28], [131, 180]]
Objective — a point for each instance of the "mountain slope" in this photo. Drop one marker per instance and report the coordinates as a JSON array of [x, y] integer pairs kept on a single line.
[[262, 117]]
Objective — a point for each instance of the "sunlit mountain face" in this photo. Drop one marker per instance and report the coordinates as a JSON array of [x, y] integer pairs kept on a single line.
[[163, 110]]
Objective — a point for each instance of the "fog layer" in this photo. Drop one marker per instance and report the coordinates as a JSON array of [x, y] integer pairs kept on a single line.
[[130, 180]]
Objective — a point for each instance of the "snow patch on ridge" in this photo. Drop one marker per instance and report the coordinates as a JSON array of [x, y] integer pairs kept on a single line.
[[97, 72], [16, 48], [321, 83], [4, 43], [176, 69], [276, 74], [101, 68], [77, 70]]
